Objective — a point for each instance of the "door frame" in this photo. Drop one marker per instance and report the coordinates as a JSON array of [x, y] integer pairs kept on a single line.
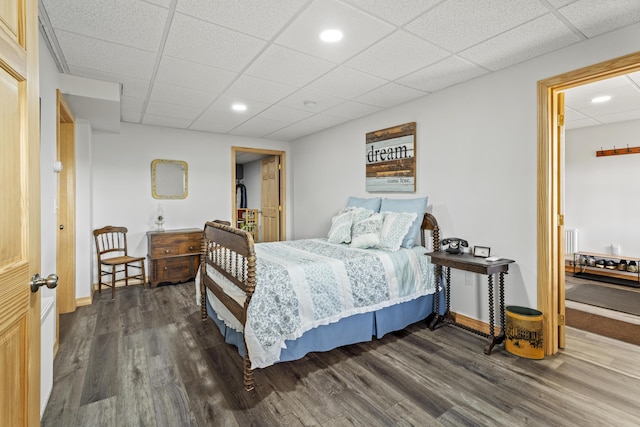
[[283, 183], [550, 217], [66, 208]]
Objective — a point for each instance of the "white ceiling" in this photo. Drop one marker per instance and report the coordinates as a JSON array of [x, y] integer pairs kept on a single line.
[[182, 63]]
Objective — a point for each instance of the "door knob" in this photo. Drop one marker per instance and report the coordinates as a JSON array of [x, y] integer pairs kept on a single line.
[[51, 281]]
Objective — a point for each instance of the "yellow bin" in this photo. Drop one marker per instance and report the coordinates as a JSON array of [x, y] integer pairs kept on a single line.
[[523, 335]]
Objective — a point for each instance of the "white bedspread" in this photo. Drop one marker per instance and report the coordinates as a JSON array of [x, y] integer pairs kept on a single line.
[[303, 284]]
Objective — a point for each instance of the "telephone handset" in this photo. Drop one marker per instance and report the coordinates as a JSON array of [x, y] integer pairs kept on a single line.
[[455, 245]]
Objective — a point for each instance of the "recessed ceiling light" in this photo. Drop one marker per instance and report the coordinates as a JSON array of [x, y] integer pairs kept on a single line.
[[239, 107], [331, 36], [599, 99]]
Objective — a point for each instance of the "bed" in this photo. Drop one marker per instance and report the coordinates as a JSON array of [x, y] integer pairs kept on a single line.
[[279, 301]]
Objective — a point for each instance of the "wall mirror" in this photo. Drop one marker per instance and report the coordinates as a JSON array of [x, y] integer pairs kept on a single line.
[[169, 179]]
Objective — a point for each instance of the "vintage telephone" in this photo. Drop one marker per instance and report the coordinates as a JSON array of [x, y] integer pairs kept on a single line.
[[455, 245]]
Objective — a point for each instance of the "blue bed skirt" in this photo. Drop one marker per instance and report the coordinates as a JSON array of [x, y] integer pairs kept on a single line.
[[350, 330]]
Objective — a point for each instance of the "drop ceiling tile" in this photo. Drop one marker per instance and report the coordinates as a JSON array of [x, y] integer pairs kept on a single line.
[[595, 17], [181, 96], [253, 88], [399, 12], [136, 88], [542, 35], [580, 96], [243, 15], [621, 116], [635, 77], [581, 123], [106, 57], [352, 110], [209, 44], [166, 109], [131, 104], [284, 65], [258, 127], [306, 127], [284, 114], [390, 95], [403, 53], [458, 24], [622, 99], [559, 3], [166, 121], [223, 104], [130, 116], [289, 133], [321, 100], [448, 72], [127, 22], [205, 126], [360, 30], [190, 75], [346, 83]]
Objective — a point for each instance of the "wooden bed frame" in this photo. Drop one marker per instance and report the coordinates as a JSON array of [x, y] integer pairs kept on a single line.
[[230, 251]]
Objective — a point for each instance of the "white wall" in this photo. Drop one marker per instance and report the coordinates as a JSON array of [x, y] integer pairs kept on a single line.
[[477, 163], [121, 186], [601, 193], [49, 82]]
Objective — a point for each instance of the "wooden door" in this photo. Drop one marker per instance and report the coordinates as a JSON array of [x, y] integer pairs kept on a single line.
[[19, 214], [561, 242], [66, 232], [270, 199]]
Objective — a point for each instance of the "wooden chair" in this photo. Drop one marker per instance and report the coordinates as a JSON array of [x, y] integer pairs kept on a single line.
[[111, 247]]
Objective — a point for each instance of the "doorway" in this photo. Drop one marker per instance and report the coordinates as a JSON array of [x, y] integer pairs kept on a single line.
[[66, 207], [273, 212], [550, 244]]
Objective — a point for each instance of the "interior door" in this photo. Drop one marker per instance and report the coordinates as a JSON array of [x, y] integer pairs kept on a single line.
[[561, 242], [66, 234], [19, 214], [270, 199]]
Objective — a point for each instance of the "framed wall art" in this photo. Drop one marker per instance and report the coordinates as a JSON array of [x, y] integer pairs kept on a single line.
[[390, 159]]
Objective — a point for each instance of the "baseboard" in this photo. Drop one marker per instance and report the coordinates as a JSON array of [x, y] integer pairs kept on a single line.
[[119, 284], [474, 323], [84, 301]]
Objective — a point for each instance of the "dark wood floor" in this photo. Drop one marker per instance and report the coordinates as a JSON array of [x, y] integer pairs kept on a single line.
[[146, 359]]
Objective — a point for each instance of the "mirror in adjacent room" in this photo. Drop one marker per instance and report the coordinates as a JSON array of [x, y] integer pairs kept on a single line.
[[169, 179]]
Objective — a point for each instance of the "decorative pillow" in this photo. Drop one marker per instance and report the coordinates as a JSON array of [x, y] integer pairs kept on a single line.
[[394, 227], [359, 214], [340, 231], [371, 204], [417, 206], [366, 233]]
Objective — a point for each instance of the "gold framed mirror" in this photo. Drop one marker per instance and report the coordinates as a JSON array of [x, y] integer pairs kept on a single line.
[[169, 179]]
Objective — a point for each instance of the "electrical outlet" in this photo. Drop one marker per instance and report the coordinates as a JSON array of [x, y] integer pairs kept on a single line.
[[469, 278]]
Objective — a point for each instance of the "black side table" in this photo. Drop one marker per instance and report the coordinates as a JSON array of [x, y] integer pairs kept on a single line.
[[478, 265]]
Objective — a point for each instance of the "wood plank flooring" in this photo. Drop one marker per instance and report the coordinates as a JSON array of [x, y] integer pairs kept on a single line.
[[146, 359]]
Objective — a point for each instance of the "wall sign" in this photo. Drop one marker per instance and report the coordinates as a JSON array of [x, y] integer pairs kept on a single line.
[[390, 159]]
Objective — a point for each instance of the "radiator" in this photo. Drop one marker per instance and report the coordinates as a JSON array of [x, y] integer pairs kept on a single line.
[[570, 241]]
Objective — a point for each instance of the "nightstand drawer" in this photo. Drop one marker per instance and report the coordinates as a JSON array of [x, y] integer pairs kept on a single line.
[[171, 244], [174, 255]]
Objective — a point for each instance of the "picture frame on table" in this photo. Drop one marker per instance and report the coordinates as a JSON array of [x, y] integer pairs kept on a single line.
[[481, 251]]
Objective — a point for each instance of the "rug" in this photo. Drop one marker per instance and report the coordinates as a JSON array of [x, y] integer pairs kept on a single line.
[[605, 326], [605, 297]]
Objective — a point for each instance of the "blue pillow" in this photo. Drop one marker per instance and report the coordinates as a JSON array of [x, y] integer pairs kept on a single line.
[[371, 204], [419, 206]]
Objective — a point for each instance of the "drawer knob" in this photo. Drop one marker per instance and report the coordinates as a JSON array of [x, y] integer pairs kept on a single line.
[[191, 248], [166, 268], [166, 251]]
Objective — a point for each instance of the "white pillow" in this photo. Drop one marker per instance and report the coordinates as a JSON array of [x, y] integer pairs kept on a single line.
[[340, 231], [366, 232], [394, 229]]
